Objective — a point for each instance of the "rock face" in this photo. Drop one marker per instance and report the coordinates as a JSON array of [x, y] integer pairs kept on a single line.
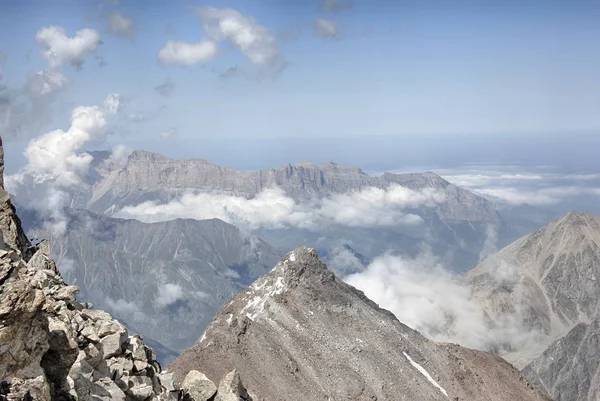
[[569, 369], [152, 276], [299, 332], [549, 279]]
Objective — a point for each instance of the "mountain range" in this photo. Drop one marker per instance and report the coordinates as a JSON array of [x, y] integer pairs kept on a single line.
[[456, 224], [298, 332]]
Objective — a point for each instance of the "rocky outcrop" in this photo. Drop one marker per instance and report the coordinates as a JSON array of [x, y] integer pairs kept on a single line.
[[300, 333]]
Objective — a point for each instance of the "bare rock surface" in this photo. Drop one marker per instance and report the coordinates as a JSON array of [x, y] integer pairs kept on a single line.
[[299, 332]]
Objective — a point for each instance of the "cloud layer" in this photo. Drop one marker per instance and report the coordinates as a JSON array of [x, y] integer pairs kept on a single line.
[[272, 208], [425, 296]]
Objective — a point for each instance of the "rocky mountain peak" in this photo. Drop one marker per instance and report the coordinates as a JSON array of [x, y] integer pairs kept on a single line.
[[299, 332], [303, 264]]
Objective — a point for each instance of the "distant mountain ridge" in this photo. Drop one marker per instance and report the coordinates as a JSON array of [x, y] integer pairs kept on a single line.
[[150, 176], [458, 228]]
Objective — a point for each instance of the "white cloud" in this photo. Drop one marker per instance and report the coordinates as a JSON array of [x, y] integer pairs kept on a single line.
[[183, 53], [113, 103], [55, 161], [478, 179], [370, 207], [120, 25], [541, 197], [61, 49], [430, 299], [252, 39], [168, 294], [119, 156], [327, 28], [121, 307], [168, 134]]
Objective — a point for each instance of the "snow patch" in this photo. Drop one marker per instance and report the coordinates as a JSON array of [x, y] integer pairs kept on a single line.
[[256, 305], [292, 257], [425, 373], [229, 318]]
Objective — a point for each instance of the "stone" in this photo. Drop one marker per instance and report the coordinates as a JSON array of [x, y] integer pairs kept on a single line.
[[112, 344], [106, 390], [96, 314], [89, 332], [198, 387], [140, 387], [136, 347], [232, 389], [109, 327]]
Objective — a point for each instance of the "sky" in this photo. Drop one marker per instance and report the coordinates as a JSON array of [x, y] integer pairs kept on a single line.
[[255, 83]]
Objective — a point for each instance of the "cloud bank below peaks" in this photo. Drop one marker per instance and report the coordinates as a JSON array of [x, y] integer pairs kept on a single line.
[[424, 295], [272, 208]]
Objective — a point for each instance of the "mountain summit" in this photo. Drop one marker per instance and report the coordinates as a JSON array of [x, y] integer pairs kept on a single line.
[[299, 332]]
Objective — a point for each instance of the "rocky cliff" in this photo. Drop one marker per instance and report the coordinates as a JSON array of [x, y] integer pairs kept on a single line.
[[300, 333]]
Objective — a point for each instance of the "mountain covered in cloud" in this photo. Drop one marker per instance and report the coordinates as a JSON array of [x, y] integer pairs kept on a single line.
[[299, 332], [324, 206], [174, 274]]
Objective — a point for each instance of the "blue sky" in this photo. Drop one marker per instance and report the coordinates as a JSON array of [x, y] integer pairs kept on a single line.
[[400, 69]]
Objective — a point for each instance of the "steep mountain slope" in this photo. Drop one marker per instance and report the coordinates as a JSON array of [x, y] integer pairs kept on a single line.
[[550, 278], [569, 369], [299, 332], [153, 276]]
